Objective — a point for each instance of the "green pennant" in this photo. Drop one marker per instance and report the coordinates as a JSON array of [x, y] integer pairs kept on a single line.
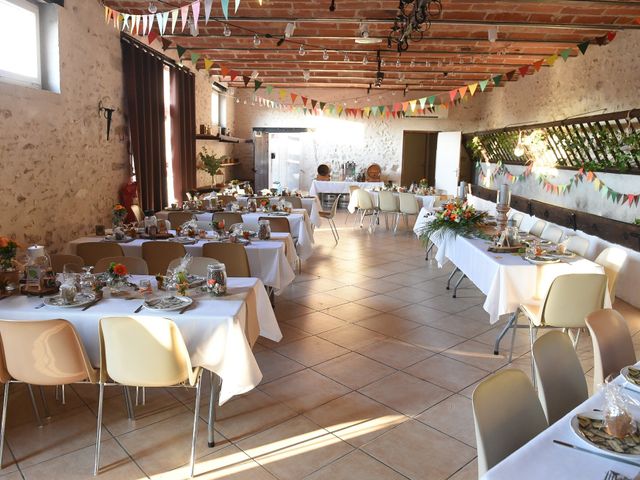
[[565, 54], [256, 85], [180, 50], [374, 111], [483, 84], [431, 100], [269, 89], [497, 79], [605, 191], [195, 57], [583, 47], [322, 104]]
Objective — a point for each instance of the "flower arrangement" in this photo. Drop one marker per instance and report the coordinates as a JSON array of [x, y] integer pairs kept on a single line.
[[456, 218], [118, 213], [423, 183], [118, 271], [209, 162], [8, 251]]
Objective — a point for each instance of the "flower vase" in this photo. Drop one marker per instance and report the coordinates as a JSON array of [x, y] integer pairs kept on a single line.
[[118, 286], [8, 279]]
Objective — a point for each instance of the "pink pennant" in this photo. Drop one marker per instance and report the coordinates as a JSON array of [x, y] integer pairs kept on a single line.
[[184, 14], [195, 6]]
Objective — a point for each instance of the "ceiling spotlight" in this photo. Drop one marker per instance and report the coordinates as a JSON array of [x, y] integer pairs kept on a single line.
[[364, 30], [227, 31], [325, 55], [365, 60], [306, 74], [256, 40], [382, 62], [289, 29], [152, 8], [398, 64], [301, 51], [412, 64], [519, 150], [237, 100], [492, 34], [346, 56]]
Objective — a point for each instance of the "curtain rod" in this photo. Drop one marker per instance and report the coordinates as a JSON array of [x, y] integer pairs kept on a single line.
[[168, 61]]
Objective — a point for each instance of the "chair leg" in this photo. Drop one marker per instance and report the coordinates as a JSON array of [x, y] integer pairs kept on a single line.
[[429, 248], [5, 405], [196, 417], [533, 333], [128, 403], [96, 465], [216, 383], [45, 407], [35, 406], [514, 329]]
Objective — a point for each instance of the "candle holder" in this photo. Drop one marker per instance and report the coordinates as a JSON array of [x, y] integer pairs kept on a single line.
[[501, 216]]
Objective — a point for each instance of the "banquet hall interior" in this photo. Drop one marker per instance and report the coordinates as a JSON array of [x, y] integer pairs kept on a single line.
[[329, 239]]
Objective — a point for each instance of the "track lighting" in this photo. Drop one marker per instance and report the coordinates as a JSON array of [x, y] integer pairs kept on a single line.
[[193, 29], [227, 31], [382, 62], [254, 75], [256, 40], [412, 64], [492, 34], [152, 8], [364, 30]]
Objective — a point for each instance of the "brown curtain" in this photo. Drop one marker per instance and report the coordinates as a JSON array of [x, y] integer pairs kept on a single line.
[[183, 129], [143, 81]]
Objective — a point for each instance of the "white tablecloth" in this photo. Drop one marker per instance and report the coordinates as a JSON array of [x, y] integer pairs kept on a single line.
[[319, 186], [217, 332], [424, 201], [540, 458], [271, 261], [310, 204]]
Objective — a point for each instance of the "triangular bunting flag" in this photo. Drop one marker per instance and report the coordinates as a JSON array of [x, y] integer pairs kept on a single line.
[[431, 100], [483, 84], [246, 80], [180, 50], [269, 89], [125, 21], [233, 74], [208, 64], [152, 36], [107, 14], [423, 102], [195, 9], [313, 104], [583, 47], [452, 94], [256, 85], [412, 104], [236, 5], [224, 71], [293, 97], [497, 79], [304, 100], [174, 19], [207, 10], [166, 43], [551, 60], [225, 8], [538, 65], [602, 40], [137, 21], [184, 14], [195, 57], [405, 106], [510, 74], [565, 54], [611, 36], [523, 70], [145, 24], [472, 88], [322, 104]]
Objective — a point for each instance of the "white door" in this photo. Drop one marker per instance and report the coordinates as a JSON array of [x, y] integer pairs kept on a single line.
[[285, 156], [448, 161]]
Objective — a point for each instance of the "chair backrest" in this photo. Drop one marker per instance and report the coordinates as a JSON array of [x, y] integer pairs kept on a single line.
[[578, 245], [229, 218], [507, 414], [364, 200], [334, 207], [613, 260], [572, 297], [158, 255], [388, 202], [517, 218], [137, 212], [560, 379], [203, 225], [143, 351], [224, 199], [612, 344], [135, 265], [537, 228], [233, 255], [409, 204], [353, 188], [91, 252], [58, 261], [4, 374], [48, 352], [278, 224], [296, 202], [552, 234], [179, 218], [197, 266]]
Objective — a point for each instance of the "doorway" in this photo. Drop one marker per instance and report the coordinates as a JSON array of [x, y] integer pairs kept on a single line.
[[278, 156], [418, 157]]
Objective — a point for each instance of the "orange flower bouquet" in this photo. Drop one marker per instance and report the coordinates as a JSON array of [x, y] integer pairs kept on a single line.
[[456, 218], [8, 251], [119, 212], [117, 278]]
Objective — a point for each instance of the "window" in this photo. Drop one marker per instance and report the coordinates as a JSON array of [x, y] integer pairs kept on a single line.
[[219, 105], [171, 195], [20, 28], [215, 105]]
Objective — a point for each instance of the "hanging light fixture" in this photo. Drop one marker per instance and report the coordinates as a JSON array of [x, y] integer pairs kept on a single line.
[[382, 62], [301, 51], [325, 55], [306, 74], [289, 29], [152, 8], [365, 60], [412, 64], [256, 40], [226, 31], [398, 64], [519, 150], [346, 56]]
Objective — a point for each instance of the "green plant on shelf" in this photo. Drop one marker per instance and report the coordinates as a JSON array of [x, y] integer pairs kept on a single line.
[[210, 162]]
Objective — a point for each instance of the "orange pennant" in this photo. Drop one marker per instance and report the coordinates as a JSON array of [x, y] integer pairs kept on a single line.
[[463, 91]]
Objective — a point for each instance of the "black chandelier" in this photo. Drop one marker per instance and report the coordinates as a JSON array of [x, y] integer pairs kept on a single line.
[[413, 19]]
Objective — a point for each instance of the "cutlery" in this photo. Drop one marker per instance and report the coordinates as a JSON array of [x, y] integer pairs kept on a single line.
[[137, 310], [611, 475], [39, 306], [599, 454], [184, 309], [91, 304]]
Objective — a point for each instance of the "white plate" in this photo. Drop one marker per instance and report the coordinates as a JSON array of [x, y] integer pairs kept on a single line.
[[625, 373], [597, 416], [81, 300], [542, 262], [183, 240], [167, 304]]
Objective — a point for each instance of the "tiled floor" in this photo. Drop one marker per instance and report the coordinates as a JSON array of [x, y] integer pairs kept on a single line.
[[372, 380]]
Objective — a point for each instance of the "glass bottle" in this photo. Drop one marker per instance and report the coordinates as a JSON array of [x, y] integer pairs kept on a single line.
[[217, 279], [264, 229]]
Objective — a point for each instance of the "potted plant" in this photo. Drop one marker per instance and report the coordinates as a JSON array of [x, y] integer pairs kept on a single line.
[[9, 273], [118, 214], [210, 163]]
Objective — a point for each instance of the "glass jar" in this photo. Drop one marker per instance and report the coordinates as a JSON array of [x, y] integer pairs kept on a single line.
[[38, 268], [217, 279], [264, 229], [150, 223]]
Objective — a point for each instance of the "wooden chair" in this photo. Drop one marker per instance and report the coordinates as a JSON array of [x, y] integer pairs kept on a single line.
[[296, 202], [179, 218], [135, 266], [91, 252], [58, 261], [158, 255], [278, 224], [233, 255], [198, 265], [230, 218]]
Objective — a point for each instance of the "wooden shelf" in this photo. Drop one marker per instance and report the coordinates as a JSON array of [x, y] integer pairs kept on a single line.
[[229, 164], [222, 138]]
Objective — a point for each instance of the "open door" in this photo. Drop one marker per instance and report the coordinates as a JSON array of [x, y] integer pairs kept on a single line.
[[448, 161]]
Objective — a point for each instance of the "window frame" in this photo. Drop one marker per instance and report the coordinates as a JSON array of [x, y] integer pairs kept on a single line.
[[16, 78]]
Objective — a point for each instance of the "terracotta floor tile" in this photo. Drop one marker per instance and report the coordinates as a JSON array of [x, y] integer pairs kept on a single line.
[[356, 466], [311, 351], [354, 370], [274, 366], [316, 322], [389, 324], [394, 353], [420, 314], [352, 293], [320, 301], [446, 372], [453, 416], [476, 354], [432, 339], [351, 336], [289, 334]]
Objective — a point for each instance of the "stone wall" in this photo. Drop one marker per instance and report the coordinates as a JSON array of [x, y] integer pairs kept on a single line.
[[60, 175]]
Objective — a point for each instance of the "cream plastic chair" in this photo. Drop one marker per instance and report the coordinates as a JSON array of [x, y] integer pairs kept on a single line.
[[329, 216], [58, 261], [45, 353], [197, 266], [516, 219], [145, 352], [352, 202], [137, 212], [552, 233], [569, 300], [506, 414], [278, 224], [296, 202], [612, 344], [559, 375], [229, 218], [365, 206], [158, 255], [408, 206], [233, 255], [135, 266], [91, 252], [179, 218], [388, 204], [537, 228], [578, 245], [613, 260]]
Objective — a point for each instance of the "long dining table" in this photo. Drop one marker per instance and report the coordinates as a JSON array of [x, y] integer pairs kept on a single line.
[[542, 458], [219, 331], [272, 261]]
